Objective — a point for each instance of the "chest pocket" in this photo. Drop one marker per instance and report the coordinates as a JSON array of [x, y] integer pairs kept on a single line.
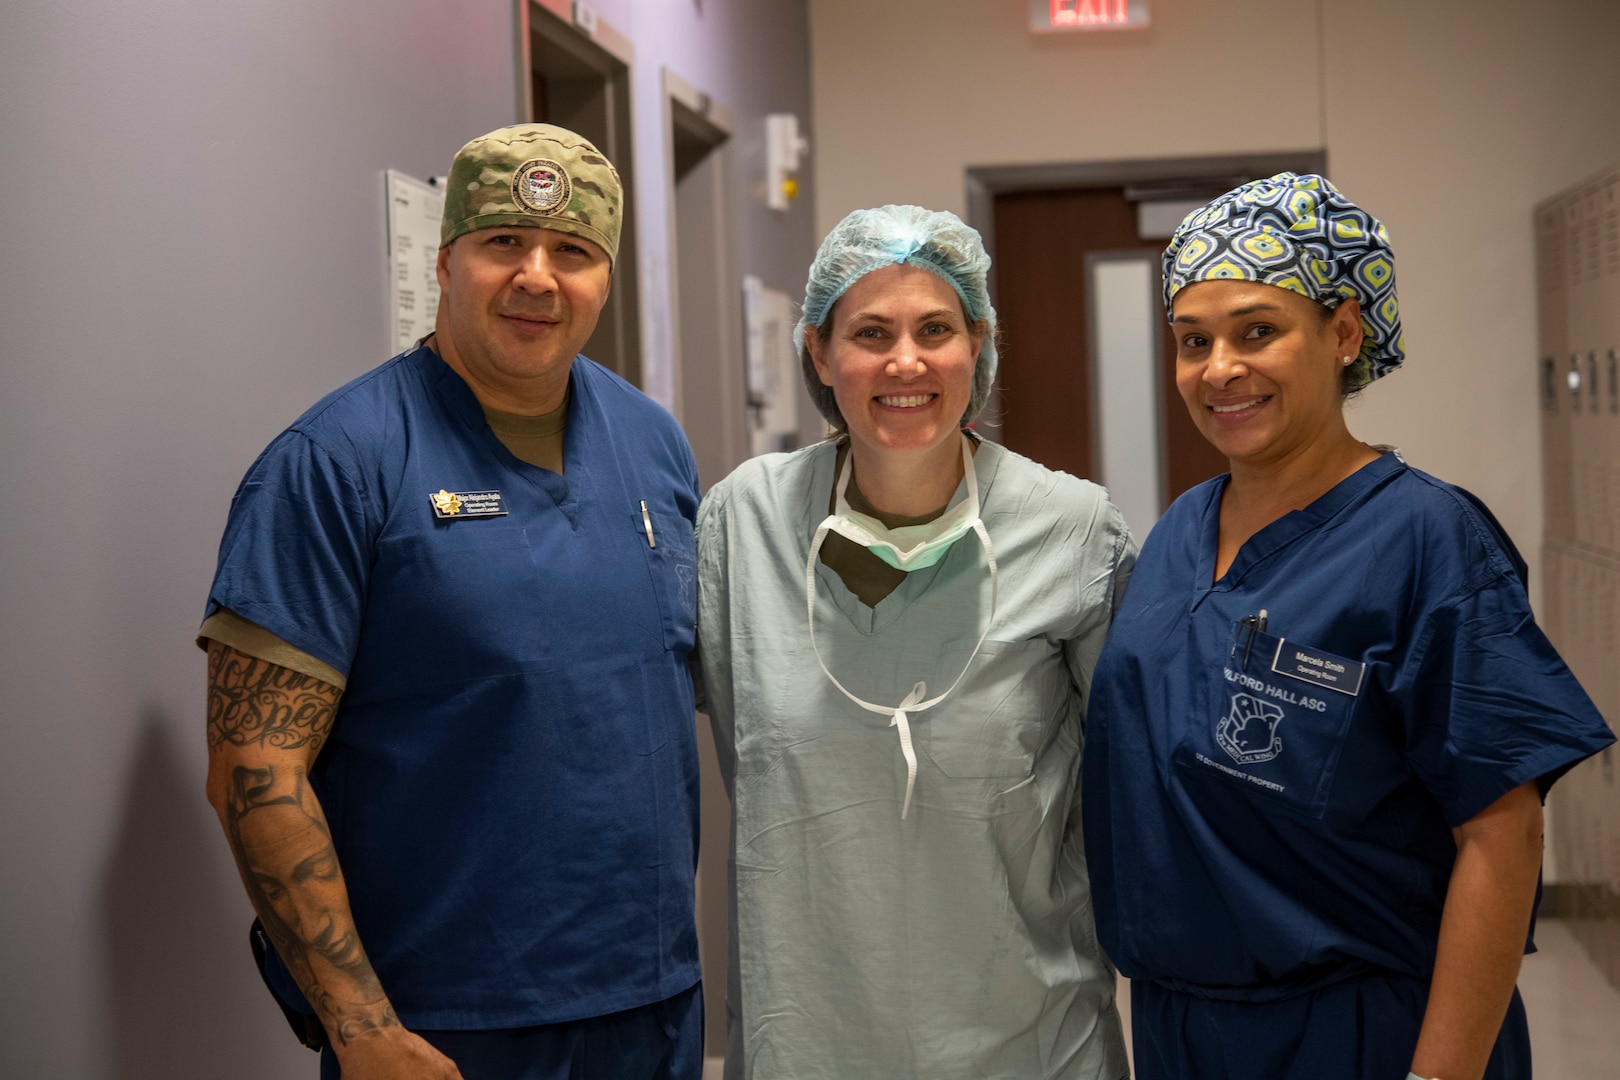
[[1270, 734], [672, 558], [998, 719]]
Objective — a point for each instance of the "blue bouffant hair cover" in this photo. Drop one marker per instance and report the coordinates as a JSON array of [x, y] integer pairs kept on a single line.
[[869, 240]]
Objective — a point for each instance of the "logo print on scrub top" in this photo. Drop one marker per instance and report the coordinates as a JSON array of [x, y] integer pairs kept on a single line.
[[684, 573], [1248, 733]]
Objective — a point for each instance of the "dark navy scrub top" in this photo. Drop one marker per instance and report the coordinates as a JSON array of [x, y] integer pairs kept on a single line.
[[511, 780], [1269, 810]]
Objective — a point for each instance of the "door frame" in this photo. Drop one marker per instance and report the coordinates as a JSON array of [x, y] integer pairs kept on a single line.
[[704, 120], [1144, 179], [596, 46], [1099, 419]]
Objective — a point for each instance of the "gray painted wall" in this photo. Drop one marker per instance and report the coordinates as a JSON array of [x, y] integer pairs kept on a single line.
[[193, 242], [753, 59]]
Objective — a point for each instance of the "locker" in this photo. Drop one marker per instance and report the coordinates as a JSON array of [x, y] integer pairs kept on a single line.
[[1577, 238]]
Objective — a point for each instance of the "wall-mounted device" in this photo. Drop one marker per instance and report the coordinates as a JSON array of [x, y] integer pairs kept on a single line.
[[772, 368], [585, 18], [784, 150]]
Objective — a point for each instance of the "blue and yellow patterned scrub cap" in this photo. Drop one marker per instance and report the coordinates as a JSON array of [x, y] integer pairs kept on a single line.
[[1301, 234]]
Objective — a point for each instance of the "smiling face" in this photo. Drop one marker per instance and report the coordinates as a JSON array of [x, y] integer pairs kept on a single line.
[[1259, 367], [899, 358], [516, 304]]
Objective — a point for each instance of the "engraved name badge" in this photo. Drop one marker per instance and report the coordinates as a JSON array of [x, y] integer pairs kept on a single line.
[[1317, 667], [466, 504]]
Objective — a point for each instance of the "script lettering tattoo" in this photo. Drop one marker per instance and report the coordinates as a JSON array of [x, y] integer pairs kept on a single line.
[[255, 701], [267, 723]]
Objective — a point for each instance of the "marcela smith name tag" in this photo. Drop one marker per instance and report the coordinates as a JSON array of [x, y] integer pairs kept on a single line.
[[1317, 667], [461, 504]]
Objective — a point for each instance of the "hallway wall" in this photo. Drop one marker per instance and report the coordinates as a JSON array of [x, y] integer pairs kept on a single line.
[[1449, 120], [752, 59], [195, 248], [194, 252]]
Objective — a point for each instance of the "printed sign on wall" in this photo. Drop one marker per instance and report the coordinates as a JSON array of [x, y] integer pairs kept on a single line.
[[414, 210]]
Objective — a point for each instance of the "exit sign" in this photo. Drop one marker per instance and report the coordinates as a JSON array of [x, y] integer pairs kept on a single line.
[[1061, 16]]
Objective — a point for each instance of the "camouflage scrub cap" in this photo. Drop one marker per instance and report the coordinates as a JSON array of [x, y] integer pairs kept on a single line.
[[536, 175], [868, 240], [1301, 234]]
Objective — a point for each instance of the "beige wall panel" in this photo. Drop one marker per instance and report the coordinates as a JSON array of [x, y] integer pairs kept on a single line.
[[1404, 137], [1449, 119], [1610, 443], [1552, 352], [1552, 316], [1589, 467], [909, 93], [1607, 694], [1587, 298], [1552, 610], [1582, 464], [1608, 346]]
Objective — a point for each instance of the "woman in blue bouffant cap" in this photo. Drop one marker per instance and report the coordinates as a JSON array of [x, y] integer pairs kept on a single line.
[[898, 626], [1325, 719]]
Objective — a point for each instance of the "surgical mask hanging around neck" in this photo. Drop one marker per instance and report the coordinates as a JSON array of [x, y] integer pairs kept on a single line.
[[907, 547], [916, 701]]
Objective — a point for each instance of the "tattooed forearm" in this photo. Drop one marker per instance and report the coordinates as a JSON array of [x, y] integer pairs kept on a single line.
[[266, 725], [255, 701], [284, 850]]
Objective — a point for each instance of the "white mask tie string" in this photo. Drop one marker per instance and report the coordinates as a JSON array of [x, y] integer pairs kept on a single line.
[[914, 702]]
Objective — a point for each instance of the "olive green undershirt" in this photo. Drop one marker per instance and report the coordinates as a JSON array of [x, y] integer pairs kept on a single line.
[[863, 573], [536, 440]]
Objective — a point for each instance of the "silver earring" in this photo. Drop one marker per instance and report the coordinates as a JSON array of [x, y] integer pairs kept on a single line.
[[1347, 361]]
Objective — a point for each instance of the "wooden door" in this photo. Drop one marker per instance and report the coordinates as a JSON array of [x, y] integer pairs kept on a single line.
[[1042, 239]]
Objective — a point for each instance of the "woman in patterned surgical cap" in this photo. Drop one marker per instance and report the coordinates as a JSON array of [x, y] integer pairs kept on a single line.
[[1325, 720], [897, 627]]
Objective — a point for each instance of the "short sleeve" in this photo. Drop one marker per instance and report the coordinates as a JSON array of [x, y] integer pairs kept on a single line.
[[250, 639], [714, 630], [1490, 704], [1105, 559], [296, 554]]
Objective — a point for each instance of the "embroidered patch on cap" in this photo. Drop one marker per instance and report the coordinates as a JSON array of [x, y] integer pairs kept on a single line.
[[454, 504], [541, 186]]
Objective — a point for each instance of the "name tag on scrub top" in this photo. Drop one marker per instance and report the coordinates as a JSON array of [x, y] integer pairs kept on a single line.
[[462, 504], [1317, 667]]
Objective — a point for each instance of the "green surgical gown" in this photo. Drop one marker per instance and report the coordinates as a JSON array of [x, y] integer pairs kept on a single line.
[[957, 942]]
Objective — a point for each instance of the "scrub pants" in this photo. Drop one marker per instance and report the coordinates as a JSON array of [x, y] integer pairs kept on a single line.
[[661, 1041], [1359, 1029]]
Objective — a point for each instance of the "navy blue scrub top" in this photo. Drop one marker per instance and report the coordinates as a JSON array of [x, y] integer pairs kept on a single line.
[[511, 780], [1268, 808]]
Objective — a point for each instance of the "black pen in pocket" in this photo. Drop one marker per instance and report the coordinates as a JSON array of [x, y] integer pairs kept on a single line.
[[1256, 625]]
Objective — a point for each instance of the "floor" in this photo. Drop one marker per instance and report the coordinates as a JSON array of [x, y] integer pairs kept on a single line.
[[1574, 1011]]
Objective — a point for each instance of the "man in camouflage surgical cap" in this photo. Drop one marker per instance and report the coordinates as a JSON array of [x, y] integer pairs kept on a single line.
[[450, 724]]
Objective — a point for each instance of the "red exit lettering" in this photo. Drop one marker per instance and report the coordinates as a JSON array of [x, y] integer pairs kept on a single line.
[[1090, 12]]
